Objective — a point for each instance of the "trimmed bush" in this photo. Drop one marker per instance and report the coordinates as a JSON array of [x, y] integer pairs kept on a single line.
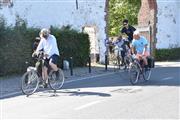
[[16, 46], [72, 44], [167, 54]]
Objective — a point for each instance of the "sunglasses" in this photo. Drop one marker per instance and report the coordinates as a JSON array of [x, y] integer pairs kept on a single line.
[[124, 24]]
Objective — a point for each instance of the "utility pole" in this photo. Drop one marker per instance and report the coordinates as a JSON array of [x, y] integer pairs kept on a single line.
[[106, 31]]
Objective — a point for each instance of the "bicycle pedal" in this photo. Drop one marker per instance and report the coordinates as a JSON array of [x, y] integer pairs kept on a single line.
[[41, 86], [45, 85]]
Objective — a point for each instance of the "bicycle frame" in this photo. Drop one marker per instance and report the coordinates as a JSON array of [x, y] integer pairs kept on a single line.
[[138, 67], [42, 61], [32, 78]]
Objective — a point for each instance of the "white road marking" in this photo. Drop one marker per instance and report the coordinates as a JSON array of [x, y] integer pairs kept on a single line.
[[167, 78], [84, 78], [88, 105], [127, 89]]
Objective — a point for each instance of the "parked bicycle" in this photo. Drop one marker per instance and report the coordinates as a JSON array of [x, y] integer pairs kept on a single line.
[[138, 71], [33, 77]]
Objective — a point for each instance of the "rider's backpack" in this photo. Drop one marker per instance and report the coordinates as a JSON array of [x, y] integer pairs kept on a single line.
[[151, 62]]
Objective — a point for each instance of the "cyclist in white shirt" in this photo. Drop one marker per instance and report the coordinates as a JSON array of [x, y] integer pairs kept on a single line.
[[49, 45]]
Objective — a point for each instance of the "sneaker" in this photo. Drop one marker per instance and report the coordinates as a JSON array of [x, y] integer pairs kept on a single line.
[[45, 85], [41, 83], [121, 64], [125, 67]]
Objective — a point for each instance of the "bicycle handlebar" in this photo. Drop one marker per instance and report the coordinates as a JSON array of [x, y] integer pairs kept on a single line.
[[39, 56]]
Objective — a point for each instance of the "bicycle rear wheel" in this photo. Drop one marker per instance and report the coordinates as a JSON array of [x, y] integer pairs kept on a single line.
[[147, 74], [134, 73], [115, 61], [29, 82], [127, 63], [56, 79]]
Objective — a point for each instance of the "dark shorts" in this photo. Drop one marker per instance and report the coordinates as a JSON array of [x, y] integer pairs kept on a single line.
[[53, 59]]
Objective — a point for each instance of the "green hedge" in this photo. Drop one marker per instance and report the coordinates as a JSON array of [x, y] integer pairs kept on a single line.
[[167, 54], [72, 44], [16, 46]]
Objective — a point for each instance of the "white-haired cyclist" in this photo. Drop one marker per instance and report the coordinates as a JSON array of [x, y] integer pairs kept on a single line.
[[48, 44], [139, 47]]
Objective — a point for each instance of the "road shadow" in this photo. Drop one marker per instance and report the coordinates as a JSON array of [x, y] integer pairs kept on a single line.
[[161, 76], [67, 92], [81, 93]]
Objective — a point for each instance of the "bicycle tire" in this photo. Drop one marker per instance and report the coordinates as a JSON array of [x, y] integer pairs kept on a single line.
[[127, 63], [147, 74], [55, 82], [134, 73], [29, 82]]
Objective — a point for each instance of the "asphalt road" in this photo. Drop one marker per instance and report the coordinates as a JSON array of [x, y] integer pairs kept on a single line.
[[107, 96]]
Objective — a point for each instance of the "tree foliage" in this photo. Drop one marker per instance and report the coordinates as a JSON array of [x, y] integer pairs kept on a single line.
[[120, 10]]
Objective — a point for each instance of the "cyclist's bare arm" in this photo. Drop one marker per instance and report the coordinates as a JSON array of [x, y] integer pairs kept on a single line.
[[145, 49], [132, 49]]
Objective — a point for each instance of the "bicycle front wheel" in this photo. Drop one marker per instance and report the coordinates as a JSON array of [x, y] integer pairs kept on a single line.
[[134, 73], [147, 74], [56, 79], [29, 82]]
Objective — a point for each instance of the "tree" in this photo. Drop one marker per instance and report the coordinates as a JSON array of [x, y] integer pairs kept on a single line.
[[120, 10]]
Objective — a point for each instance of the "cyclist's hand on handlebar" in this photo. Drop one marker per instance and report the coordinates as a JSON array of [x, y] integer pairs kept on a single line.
[[34, 54], [121, 49], [46, 55], [134, 56]]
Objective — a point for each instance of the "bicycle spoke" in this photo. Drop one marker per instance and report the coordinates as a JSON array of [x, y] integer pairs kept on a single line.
[[29, 82], [56, 79], [147, 74], [134, 73]]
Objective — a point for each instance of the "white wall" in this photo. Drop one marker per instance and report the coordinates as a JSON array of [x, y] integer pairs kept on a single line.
[[44, 13], [168, 25]]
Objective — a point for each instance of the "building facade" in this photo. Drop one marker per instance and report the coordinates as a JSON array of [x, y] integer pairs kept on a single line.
[[88, 15], [168, 24], [163, 18], [160, 19]]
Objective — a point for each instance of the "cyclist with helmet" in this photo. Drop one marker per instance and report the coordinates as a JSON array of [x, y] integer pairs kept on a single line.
[[48, 44]]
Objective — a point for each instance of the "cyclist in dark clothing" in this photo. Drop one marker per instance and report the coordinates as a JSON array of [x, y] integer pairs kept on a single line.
[[128, 30], [36, 43]]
